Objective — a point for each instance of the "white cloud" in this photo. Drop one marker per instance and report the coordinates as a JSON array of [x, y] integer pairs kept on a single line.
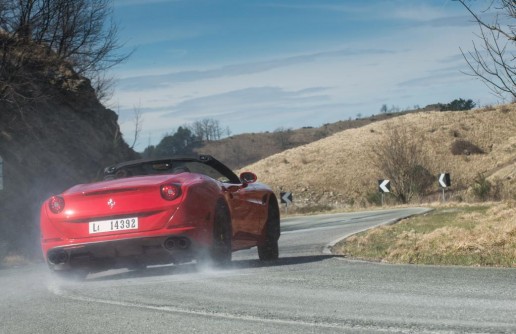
[[160, 34], [153, 80], [419, 11], [408, 10]]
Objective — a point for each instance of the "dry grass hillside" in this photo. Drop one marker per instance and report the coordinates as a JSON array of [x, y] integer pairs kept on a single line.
[[244, 149], [338, 171]]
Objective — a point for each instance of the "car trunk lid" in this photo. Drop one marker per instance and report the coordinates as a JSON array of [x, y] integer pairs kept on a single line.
[[115, 207]]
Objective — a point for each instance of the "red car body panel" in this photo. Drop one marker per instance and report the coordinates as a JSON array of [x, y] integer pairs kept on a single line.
[[189, 216]]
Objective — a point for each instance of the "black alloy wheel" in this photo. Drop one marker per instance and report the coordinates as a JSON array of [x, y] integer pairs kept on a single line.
[[220, 251], [269, 251]]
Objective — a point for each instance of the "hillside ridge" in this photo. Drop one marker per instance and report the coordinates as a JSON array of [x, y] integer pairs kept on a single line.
[[247, 148], [338, 171]]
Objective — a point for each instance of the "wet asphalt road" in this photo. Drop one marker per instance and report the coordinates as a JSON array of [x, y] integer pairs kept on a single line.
[[306, 291]]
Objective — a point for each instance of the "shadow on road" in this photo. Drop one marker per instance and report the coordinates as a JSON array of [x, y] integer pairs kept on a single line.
[[192, 268]]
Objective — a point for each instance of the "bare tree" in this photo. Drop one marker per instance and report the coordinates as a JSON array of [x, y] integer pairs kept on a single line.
[[384, 109], [400, 157], [208, 129], [227, 131], [103, 84], [282, 137], [15, 84], [138, 124], [493, 59], [80, 32]]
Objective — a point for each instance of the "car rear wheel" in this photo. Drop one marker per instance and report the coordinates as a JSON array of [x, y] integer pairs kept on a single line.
[[220, 251], [269, 251]]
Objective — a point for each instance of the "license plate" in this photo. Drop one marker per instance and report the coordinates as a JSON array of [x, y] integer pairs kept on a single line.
[[114, 225]]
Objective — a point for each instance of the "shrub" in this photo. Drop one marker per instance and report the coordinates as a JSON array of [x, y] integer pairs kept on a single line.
[[424, 179], [481, 187], [374, 198], [400, 158], [458, 104], [461, 146]]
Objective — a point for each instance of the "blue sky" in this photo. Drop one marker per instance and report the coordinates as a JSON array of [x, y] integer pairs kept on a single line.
[[257, 66]]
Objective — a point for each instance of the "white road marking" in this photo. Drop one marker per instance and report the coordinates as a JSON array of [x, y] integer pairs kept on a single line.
[[55, 289]]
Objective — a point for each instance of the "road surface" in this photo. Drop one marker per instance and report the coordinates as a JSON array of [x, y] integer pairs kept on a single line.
[[306, 291]]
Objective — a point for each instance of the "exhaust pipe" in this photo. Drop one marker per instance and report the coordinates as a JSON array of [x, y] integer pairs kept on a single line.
[[170, 243], [57, 257], [183, 243], [177, 243]]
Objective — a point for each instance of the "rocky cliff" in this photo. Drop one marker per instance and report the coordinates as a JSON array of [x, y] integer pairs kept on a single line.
[[53, 135]]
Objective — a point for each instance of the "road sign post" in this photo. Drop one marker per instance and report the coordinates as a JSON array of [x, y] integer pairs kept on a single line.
[[384, 186]]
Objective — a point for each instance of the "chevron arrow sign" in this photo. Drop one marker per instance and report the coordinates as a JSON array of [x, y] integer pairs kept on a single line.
[[444, 180], [384, 186], [286, 197]]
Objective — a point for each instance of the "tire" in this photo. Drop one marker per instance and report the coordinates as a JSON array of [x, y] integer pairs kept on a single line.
[[269, 251], [220, 251]]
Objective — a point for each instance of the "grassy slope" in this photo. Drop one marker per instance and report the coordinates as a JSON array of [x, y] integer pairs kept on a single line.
[[338, 170], [467, 235]]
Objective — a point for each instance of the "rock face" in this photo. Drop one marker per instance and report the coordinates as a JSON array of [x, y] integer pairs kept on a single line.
[[56, 136]]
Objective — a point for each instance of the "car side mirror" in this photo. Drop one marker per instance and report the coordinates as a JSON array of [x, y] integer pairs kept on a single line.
[[248, 177]]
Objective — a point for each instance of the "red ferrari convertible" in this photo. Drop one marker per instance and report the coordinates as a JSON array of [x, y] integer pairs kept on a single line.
[[160, 211]]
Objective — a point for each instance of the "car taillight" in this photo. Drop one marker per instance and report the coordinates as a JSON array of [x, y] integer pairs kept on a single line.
[[56, 204], [170, 191]]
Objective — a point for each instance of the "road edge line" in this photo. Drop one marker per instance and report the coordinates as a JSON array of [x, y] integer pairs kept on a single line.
[[327, 249]]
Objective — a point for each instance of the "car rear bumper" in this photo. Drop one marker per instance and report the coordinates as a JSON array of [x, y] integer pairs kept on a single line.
[[124, 253]]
